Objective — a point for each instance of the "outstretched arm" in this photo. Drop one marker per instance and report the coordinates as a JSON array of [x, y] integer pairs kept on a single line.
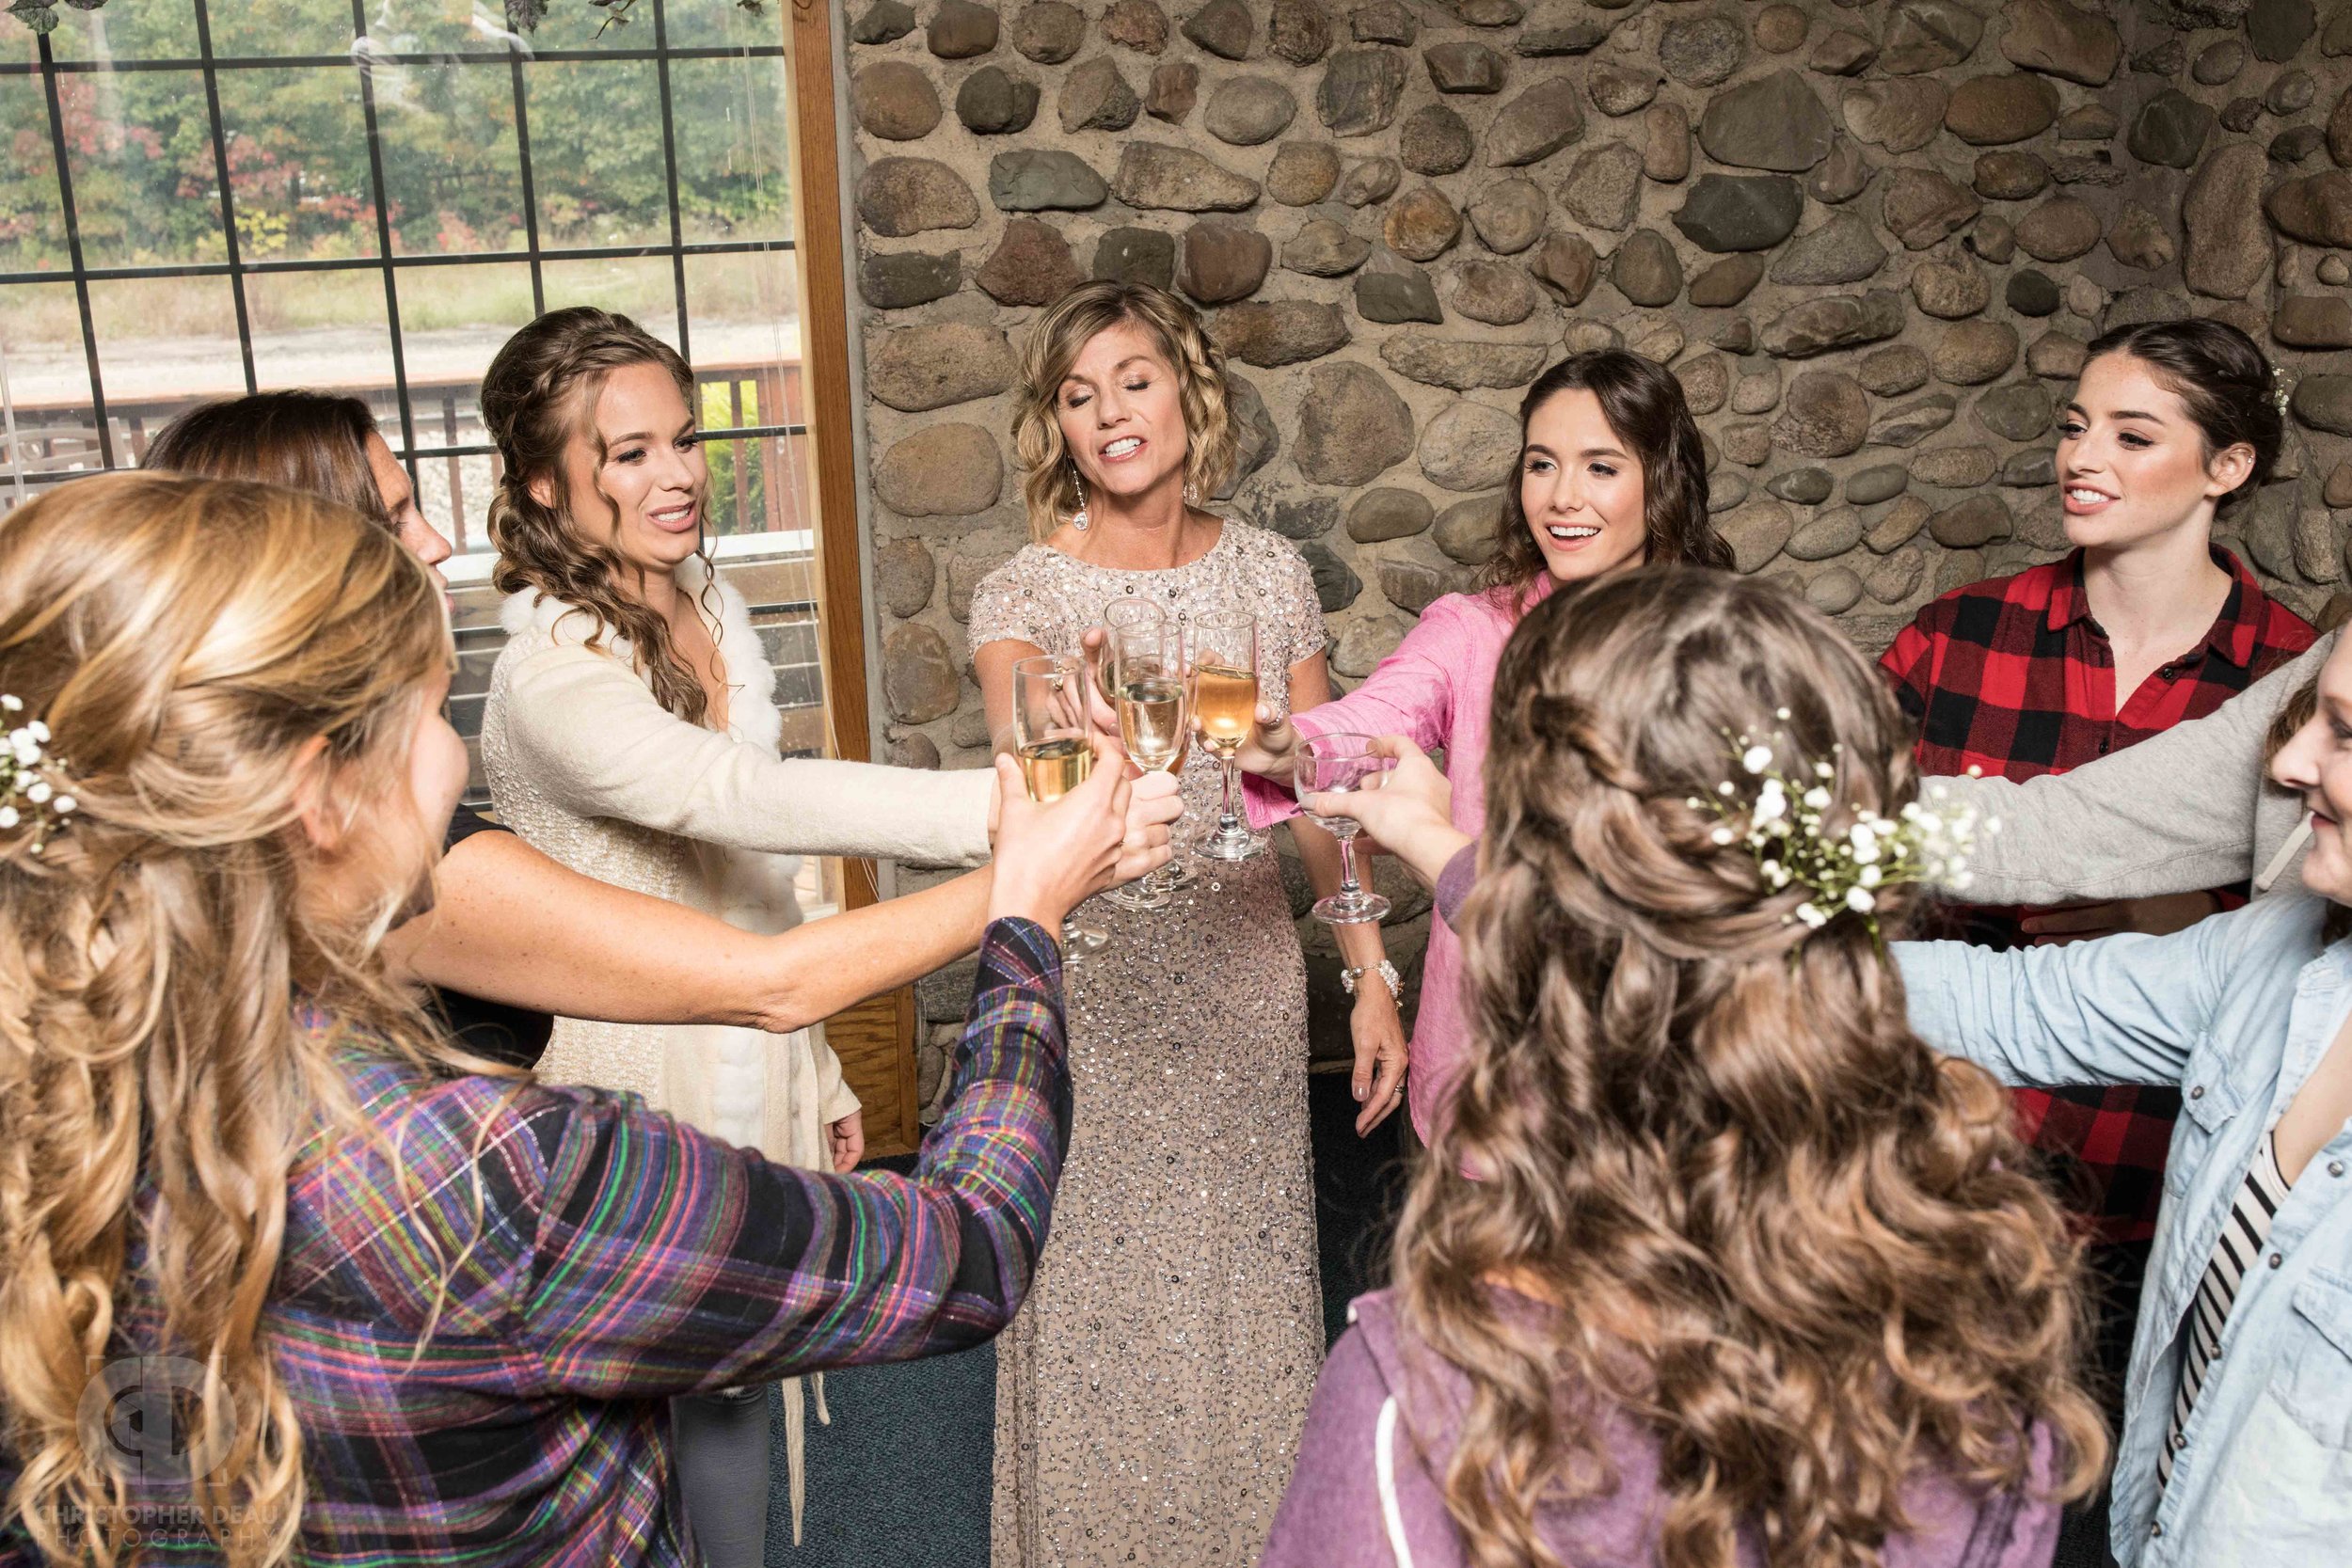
[[2173, 813]]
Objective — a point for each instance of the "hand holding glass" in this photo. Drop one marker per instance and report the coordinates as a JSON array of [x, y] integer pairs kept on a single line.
[[1147, 664], [1057, 751], [1336, 765]]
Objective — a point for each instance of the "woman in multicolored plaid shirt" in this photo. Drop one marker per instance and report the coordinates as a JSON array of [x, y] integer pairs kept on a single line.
[[280, 1273]]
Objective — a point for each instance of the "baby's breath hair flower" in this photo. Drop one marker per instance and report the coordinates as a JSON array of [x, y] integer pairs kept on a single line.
[[1841, 870], [28, 796]]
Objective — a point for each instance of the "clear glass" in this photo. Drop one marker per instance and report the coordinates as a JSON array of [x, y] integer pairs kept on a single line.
[[1147, 662], [1056, 747], [1224, 650], [1338, 764]]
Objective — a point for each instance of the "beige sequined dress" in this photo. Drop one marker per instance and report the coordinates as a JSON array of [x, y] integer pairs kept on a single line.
[[1151, 1391]]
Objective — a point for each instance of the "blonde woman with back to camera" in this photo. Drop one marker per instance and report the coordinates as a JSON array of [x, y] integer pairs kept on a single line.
[[434, 1311], [629, 732], [1147, 1402]]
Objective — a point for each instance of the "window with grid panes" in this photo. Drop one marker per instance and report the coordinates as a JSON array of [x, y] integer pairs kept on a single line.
[[207, 197]]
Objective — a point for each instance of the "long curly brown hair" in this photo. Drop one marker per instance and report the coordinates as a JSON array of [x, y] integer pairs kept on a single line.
[[189, 642], [538, 396], [1643, 404], [1804, 1250]]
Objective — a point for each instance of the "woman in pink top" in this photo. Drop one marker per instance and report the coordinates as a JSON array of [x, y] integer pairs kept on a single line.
[[1610, 476]]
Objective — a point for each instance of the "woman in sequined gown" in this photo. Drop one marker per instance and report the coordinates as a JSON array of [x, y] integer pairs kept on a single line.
[[1150, 1394]]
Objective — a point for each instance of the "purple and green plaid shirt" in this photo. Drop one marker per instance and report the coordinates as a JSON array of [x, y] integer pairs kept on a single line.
[[602, 1257]]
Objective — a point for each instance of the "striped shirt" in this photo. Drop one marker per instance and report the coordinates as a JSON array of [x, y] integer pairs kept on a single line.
[[599, 1258], [2243, 1235]]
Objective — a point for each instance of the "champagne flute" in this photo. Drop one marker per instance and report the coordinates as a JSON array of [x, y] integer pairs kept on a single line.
[[1146, 661], [1224, 709], [1057, 751], [1118, 616], [1337, 764]]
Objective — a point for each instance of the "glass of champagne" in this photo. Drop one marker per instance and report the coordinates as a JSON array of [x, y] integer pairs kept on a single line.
[[1146, 661], [1224, 709], [1056, 747], [1336, 764], [1118, 616]]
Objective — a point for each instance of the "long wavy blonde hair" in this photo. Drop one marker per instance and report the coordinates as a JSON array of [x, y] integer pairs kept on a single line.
[[538, 396], [1780, 1233], [189, 642], [1049, 482]]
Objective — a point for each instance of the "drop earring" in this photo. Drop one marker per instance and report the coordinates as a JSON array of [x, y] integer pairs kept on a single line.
[[1192, 493], [1078, 519]]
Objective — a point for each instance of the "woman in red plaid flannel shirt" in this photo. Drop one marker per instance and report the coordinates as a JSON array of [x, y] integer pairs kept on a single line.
[[2145, 623]]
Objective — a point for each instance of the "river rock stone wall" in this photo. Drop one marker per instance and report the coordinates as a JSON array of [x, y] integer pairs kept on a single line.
[[1872, 240]]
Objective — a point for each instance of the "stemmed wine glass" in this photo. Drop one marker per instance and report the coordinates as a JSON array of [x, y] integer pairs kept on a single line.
[[1336, 764], [1147, 662], [1118, 616], [1056, 746], [1224, 650], [1139, 614]]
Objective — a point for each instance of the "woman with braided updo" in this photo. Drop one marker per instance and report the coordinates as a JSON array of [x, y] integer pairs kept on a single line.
[[1714, 1261], [630, 733]]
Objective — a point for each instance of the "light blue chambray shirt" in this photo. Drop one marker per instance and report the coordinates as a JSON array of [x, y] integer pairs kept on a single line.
[[2238, 1010]]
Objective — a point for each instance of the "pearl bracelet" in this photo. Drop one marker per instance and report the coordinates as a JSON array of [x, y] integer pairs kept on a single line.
[[1387, 972]]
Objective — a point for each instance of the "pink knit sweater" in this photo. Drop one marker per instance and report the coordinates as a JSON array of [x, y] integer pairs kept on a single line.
[[1434, 690]]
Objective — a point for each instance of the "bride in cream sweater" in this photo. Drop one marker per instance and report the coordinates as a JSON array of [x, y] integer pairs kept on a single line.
[[630, 733]]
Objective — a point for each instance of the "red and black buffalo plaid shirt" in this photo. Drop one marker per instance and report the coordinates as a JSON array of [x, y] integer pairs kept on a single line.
[[2013, 676]]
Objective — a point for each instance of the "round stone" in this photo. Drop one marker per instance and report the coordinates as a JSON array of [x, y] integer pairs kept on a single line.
[[1950, 290], [1509, 215], [1898, 525], [2171, 130], [1907, 424], [1702, 51], [1469, 446], [1434, 140], [2219, 64], [1302, 173], [1373, 180], [1495, 293], [1536, 124], [1272, 332], [1881, 482], [1566, 265], [1758, 392], [1804, 486], [897, 196], [1032, 265], [1705, 383], [1774, 122], [2011, 176], [1755, 534], [1324, 248], [1049, 31], [1833, 590], [1034, 180], [1830, 533], [1954, 468], [1657, 339], [1825, 414], [1739, 211], [2062, 39], [942, 470], [961, 29], [1726, 282], [1388, 513], [894, 101], [1973, 524], [1352, 426], [1974, 352], [1467, 531], [1665, 143], [1464, 68], [1603, 187], [1248, 110], [1843, 251], [992, 103], [2032, 294], [1901, 114], [2292, 93], [2279, 28], [1130, 255], [905, 574], [1220, 261], [1360, 89], [914, 750], [1177, 179], [1992, 238], [2057, 356], [1780, 30], [2059, 229], [1396, 294], [2228, 245], [1841, 176], [1921, 207], [917, 369], [1137, 24], [883, 22], [896, 280], [1459, 365], [1621, 90], [1843, 52], [1175, 87], [2139, 239], [1299, 31], [1223, 27], [1423, 225], [1990, 111], [1891, 371], [920, 678], [1896, 578], [1095, 97], [1646, 269]]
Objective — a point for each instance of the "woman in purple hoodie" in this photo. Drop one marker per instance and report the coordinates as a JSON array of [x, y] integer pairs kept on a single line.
[[1714, 1262]]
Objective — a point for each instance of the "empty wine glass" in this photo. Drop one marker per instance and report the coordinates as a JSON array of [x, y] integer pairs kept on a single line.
[[1337, 765], [1056, 747]]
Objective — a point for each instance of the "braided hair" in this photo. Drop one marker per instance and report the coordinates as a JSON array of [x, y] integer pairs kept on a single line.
[[539, 396]]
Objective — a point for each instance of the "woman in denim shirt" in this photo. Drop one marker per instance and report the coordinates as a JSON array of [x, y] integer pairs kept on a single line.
[[2250, 1012]]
